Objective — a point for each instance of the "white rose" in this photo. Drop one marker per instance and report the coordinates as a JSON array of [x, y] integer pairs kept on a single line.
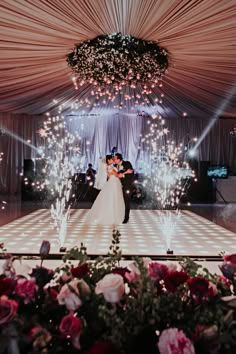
[[112, 287]]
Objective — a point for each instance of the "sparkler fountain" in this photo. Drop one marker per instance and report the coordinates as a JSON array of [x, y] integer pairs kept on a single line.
[[166, 175], [61, 150]]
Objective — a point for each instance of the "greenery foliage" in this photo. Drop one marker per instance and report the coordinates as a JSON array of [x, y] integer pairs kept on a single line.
[[105, 306]]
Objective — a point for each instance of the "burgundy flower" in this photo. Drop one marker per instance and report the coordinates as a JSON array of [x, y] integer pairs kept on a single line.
[[223, 280], [70, 325], [80, 271], [157, 271], [198, 287], [52, 294], [42, 275], [121, 271], [174, 279], [231, 258], [6, 286], [26, 289], [198, 332], [8, 309], [103, 347]]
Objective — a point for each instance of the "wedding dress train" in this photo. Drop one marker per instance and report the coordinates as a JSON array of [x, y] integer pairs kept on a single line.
[[109, 206]]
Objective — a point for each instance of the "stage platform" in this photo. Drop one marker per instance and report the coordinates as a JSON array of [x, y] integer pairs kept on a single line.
[[145, 234]]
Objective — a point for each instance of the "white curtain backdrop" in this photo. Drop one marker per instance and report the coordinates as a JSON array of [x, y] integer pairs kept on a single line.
[[100, 134]]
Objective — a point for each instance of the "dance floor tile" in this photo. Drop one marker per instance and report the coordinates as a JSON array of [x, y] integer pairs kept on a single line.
[[147, 233]]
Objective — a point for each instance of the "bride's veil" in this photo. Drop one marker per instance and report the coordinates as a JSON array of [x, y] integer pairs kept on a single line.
[[101, 176]]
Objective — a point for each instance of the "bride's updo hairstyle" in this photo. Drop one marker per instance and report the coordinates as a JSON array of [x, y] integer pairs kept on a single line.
[[108, 157]]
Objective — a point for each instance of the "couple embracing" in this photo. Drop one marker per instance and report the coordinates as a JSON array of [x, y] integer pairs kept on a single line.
[[112, 205]]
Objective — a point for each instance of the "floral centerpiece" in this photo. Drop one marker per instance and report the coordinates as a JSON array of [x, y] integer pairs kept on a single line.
[[98, 306], [118, 59]]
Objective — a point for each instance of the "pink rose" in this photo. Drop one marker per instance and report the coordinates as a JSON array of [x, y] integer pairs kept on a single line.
[[70, 294], [134, 268], [112, 287], [222, 279], [174, 341], [131, 277], [8, 309], [212, 289], [26, 289], [70, 326], [157, 271], [66, 276]]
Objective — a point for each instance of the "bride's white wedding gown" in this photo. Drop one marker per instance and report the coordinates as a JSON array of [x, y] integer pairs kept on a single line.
[[109, 206]]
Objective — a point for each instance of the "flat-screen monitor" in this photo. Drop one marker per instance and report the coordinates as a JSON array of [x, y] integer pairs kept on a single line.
[[218, 171]]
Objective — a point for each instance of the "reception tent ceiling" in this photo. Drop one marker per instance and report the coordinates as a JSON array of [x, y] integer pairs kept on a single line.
[[199, 35]]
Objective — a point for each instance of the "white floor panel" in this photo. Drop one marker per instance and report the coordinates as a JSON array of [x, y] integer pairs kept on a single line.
[[146, 233]]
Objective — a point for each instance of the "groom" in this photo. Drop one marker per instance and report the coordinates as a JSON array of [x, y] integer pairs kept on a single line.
[[126, 174]]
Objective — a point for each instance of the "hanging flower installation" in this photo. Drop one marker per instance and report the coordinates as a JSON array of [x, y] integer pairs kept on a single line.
[[118, 60]]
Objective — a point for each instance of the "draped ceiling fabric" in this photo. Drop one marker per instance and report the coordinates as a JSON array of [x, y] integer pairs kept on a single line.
[[36, 35]]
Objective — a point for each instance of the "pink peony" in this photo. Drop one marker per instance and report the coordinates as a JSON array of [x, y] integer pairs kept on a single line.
[[157, 271], [26, 289], [174, 341], [112, 287], [8, 309]]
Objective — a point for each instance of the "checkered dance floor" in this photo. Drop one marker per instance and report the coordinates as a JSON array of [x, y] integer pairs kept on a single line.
[[146, 233]]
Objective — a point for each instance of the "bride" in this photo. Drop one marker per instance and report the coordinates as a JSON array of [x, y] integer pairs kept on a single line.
[[109, 206]]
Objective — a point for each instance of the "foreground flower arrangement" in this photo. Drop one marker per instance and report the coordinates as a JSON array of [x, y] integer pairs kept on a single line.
[[118, 59], [100, 307]]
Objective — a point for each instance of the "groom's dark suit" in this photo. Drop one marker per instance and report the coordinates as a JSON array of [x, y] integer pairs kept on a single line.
[[126, 182]]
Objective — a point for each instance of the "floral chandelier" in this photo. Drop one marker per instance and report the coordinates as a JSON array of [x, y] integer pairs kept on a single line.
[[118, 60]]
